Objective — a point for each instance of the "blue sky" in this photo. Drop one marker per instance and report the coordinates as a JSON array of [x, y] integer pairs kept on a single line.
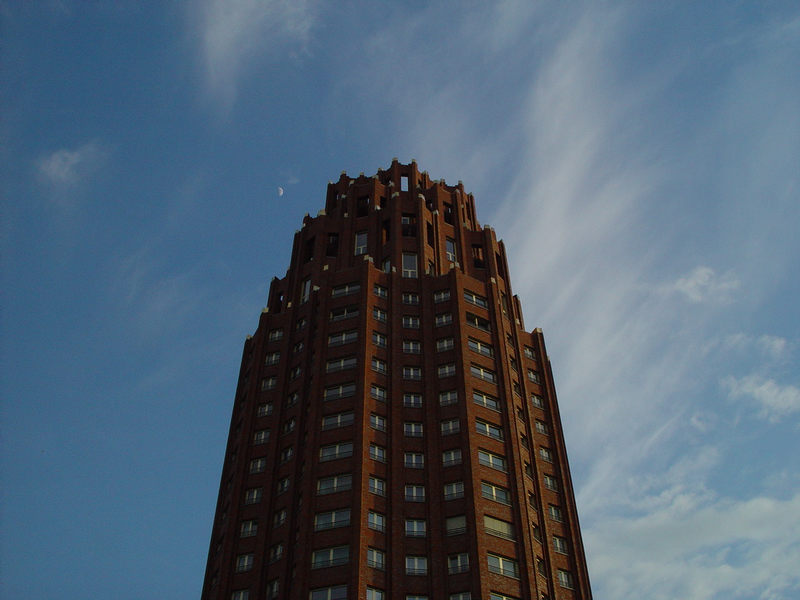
[[641, 161]]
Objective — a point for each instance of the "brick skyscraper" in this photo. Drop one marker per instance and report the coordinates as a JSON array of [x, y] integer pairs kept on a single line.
[[395, 431]]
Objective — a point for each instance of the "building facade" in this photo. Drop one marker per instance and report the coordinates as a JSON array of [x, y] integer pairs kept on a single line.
[[395, 431]]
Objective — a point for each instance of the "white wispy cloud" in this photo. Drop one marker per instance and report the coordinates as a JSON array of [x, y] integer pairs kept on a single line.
[[66, 167], [703, 284], [236, 35], [774, 400]]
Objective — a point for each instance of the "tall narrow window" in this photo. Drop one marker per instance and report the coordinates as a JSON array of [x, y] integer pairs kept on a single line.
[[409, 223], [450, 250], [409, 265], [332, 247], [361, 243]]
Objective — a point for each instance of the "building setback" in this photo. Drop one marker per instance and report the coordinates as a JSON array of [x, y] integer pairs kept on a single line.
[[395, 431]]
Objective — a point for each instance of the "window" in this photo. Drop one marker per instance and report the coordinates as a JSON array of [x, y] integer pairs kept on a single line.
[[337, 592], [361, 243], [305, 291], [380, 291], [261, 437], [269, 383], [338, 420], [340, 364], [337, 392], [450, 426], [475, 299], [534, 376], [376, 558], [332, 519], [447, 370], [489, 429], [503, 566], [565, 579], [410, 298], [343, 312], [244, 562], [414, 460], [492, 491], [411, 429], [288, 426], [292, 399], [342, 337], [412, 347], [443, 319], [409, 265], [248, 528], [409, 225], [411, 400], [295, 373], [300, 324], [377, 422], [379, 339], [441, 296], [257, 465], [453, 490], [529, 352], [332, 247], [415, 527], [415, 493], [376, 521], [537, 401], [334, 483], [560, 544], [286, 455], [444, 344], [279, 518], [541, 427], [483, 373], [335, 451], [362, 206], [377, 486], [555, 513], [493, 461], [414, 373], [404, 183], [498, 596], [272, 358], [416, 565], [375, 594], [448, 213], [330, 557], [379, 365], [455, 525], [480, 347], [461, 596], [264, 410], [447, 398], [478, 259], [551, 483], [499, 528], [377, 453], [410, 322], [546, 454], [450, 250], [240, 595], [378, 392], [275, 553], [386, 265], [380, 314], [451, 457], [253, 495], [458, 563], [486, 400], [274, 335], [478, 322], [283, 486]]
